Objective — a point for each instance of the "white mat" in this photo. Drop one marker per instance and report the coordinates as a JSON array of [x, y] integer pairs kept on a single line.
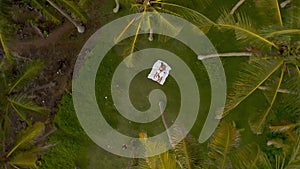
[[160, 72]]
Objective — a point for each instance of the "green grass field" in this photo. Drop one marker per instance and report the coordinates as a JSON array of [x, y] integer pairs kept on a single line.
[[76, 149]]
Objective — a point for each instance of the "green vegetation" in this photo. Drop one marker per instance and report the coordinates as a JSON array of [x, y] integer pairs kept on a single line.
[[26, 146], [67, 150], [15, 105], [73, 147], [23, 135], [259, 127]]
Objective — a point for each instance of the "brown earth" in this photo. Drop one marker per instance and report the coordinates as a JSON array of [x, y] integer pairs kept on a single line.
[[59, 51]]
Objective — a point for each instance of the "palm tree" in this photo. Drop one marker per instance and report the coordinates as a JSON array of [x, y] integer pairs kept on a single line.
[[275, 65], [75, 10], [290, 157], [184, 155], [141, 7], [224, 152], [70, 6], [12, 97], [165, 160], [26, 148]]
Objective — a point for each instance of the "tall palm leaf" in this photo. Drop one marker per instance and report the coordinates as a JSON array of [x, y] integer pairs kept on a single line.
[[257, 120], [224, 141], [27, 137], [188, 151], [225, 151], [289, 106], [165, 160], [27, 73], [251, 157], [12, 98], [245, 32], [270, 12], [253, 75]]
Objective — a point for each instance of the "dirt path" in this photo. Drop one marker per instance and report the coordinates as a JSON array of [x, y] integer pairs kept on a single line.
[[59, 50], [54, 37]]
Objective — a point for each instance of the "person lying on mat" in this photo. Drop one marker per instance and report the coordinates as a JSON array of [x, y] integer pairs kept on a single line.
[[160, 72]]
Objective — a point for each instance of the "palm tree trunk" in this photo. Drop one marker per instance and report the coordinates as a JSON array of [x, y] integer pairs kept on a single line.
[[236, 6], [116, 9], [202, 57], [151, 35], [285, 91], [80, 28], [285, 3], [161, 106]]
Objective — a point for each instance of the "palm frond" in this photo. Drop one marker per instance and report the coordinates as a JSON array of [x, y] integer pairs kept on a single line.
[[244, 30], [250, 156], [165, 25], [284, 127], [21, 115], [225, 140], [288, 106], [251, 77], [123, 32], [282, 32], [165, 160], [84, 3], [29, 71], [40, 4], [280, 161], [187, 151], [257, 120], [132, 48], [198, 5], [25, 159], [293, 84], [22, 102], [270, 12], [291, 17], [191, 15], [294, 161], [162, 161], [74, 9], [27, 137]]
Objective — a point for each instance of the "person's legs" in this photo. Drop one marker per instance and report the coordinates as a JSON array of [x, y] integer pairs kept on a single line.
[[159, 79]]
